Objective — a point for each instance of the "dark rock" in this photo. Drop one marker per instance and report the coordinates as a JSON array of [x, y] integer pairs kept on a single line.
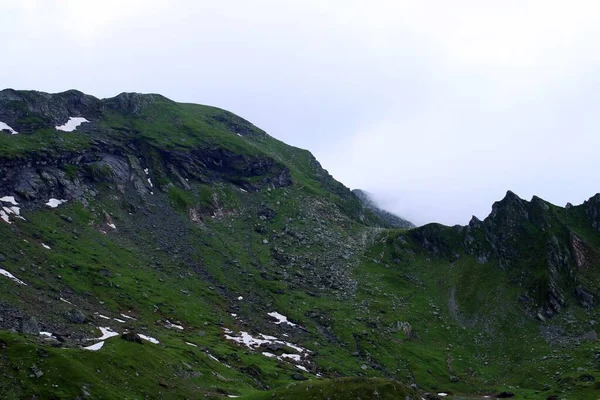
[[76, 316], [299, 377], [30, 326], [587, 378], [505, 395], [132, 337]]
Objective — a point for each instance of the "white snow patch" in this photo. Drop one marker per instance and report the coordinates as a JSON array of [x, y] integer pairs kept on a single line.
[[106, 334], [239, 135], [255, 343], [103, 316], [234, 315], [71, 124], [94, 347], [150, 182], [47, 335], [232, 396], [4, 126], [442, 394], [149, 338], [112, 226], [243, 190], [9, 199], [301, 367], [12, 277], [191, 344], [119, 320], [172, 325], [53, 203], [241, 298], [66, 301], [4, 216], [46, 246], [147, 171], [247, 339], [295, 357], [213, 357], [128, 317], [12, 210], [280, 318]]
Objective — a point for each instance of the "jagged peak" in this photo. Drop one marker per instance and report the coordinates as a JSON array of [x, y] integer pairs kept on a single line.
[[474, 222], [594, 199]]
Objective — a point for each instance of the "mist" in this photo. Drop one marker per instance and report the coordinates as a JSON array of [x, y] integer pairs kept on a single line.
[[436, 108]]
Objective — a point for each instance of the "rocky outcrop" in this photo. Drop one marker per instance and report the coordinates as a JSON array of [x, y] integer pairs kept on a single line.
[[534, 242]]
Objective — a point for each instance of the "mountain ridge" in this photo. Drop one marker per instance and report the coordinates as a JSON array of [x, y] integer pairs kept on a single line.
[[170, 250]]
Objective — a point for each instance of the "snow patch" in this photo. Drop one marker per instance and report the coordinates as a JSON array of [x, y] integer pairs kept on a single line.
[[53, 203], [46, 246], [103, 316], [280, 318], [11, 277], [147, 171], [71, 124], [295, 357], [128, 317], [442, 394], [4, 126], [112, 226], [12, 210], [94, 347], [47, 335], [4, 216], [256, 343], [65, 301], [119, 320], [106, 334], [243, 190], [149, 338], [9, 199], [241, 298], [302, 367], [150, 182], [171, 325], [191, 344]]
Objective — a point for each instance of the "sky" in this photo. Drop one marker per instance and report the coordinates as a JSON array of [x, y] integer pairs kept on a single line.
[[437, 108]]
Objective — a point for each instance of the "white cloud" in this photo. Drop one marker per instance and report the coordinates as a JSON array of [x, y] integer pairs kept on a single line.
[[437, 107]]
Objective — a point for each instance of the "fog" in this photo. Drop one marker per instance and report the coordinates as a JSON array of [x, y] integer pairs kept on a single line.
[[435, 107]]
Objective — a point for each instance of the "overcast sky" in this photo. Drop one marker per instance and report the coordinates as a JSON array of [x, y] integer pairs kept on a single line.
[[436, 107]]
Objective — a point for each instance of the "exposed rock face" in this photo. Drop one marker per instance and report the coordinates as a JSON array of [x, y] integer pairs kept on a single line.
[[533, 243], [390, 220]]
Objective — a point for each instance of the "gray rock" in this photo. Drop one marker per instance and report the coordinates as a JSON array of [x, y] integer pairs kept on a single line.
[[76, 316], [30, 326]]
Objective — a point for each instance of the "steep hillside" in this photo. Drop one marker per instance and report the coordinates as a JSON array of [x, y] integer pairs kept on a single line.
[[390, 220], [167, 250]]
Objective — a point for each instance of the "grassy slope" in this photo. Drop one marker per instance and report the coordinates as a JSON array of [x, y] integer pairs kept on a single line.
[[465, 316]]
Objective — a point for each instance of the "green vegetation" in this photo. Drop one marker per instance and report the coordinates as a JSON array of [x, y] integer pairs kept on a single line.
[[238, 225]]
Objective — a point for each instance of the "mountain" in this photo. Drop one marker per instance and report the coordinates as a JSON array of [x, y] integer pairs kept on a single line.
[[391, 220], [154, 249]]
